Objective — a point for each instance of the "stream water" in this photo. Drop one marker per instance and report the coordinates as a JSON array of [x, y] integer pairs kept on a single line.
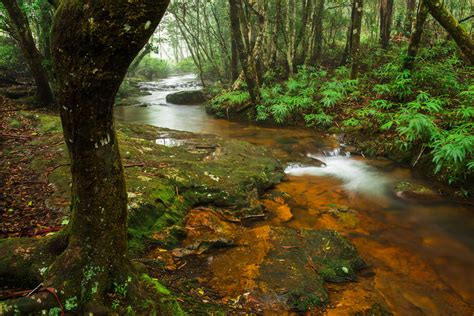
[[421, 252]]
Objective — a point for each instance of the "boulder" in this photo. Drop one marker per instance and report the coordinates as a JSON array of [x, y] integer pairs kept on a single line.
[[186, 97]]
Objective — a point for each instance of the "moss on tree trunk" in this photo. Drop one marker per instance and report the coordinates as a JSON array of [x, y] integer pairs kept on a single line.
[[462, 38]]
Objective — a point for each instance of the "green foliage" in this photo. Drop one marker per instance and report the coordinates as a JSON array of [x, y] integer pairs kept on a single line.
[[319, 119], [71, 303], [153, 68], [185, 66], [9, 54]]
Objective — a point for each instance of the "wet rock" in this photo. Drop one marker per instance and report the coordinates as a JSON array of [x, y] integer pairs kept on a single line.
[[208, 229], [416, 192], [186, 97], [279, 208], [279, 268], [374, 310]]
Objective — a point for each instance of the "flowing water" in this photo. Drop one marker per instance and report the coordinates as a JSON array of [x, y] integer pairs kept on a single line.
[[421, 252]]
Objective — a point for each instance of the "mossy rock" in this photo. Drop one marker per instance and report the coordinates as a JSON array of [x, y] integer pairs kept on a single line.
[[186, 97], [411, 191], [166, 179], [301, 261]]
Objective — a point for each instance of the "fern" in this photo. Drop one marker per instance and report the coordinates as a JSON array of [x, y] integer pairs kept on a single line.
[[280, 112], [321, 119]]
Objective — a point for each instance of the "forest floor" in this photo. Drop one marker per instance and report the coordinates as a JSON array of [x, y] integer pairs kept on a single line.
[[23, 208]]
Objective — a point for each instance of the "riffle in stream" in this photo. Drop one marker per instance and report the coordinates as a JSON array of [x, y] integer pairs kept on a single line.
[[420, 251]]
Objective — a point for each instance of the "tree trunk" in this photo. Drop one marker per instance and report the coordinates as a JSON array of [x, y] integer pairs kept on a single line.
[[464, 41], [234, 62], [410, 15], [136, 62], [291, 35], [415, 38], [318, 32], [386, 10], [31, 54], [276, 31], [91, 55], [357, 10], [235, 13]]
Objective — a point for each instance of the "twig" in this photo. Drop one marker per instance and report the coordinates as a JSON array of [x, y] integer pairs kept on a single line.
[[254, 216], [134, 165], [419, 156], [35, 289]]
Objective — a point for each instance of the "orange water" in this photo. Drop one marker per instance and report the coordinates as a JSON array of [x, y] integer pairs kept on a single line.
[[422, 254]]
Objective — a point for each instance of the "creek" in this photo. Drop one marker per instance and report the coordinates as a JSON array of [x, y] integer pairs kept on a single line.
[[421, 251]]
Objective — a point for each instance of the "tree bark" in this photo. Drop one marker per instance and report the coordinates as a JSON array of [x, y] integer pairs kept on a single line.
[[234, 61], [409, 17], [31, 54], [91, 53], [291, 35], [415, 38], [235, 13], [462, 38], [357, 10], [318, 32], [386, 10]]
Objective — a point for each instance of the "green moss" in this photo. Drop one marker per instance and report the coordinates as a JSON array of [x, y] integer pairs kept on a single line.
[[168, 303], [302, 302], [172, 180], [14, 123], [157, 285]]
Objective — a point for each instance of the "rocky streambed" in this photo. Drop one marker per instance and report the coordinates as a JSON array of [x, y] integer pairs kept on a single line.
[[199, 220]]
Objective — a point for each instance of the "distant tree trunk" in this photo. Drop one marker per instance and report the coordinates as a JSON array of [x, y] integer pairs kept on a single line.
[[234, 61], [464, 41], [276, 31], [31, 54], [357, 11], [409, 17], [235, 13], [386, 10], [318, 32], [136, 62], [415, 38], [291, 35]]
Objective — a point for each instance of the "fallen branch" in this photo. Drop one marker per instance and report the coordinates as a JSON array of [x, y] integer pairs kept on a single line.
[[134, 165]]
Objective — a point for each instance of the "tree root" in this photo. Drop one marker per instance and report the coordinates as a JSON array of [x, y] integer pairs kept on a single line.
[[77, 279], [25, 261]]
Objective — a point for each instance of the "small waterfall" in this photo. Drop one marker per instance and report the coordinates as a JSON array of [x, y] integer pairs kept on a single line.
[[355, 174]]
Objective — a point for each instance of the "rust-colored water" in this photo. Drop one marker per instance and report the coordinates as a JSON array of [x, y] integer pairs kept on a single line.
[[422, 254]]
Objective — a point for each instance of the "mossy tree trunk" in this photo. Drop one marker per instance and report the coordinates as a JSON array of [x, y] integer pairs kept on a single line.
[[29, 50], [415, 38], [93, 44], [249, 75], [462, 38], [356, 28], [386, 11], [409, 16]]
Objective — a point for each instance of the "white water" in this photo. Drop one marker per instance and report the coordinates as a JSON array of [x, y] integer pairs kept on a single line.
[[357, 176]]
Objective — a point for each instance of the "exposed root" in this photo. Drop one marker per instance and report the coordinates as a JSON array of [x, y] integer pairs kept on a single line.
[[25, 261]]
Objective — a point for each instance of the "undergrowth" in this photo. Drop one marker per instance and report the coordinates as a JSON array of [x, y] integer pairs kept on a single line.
[[424, 113]]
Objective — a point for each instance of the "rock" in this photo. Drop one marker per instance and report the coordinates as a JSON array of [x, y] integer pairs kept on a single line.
[[279, 208], [416, 192], [186, 97], [165, 182], [208, 229], [279, 268]]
